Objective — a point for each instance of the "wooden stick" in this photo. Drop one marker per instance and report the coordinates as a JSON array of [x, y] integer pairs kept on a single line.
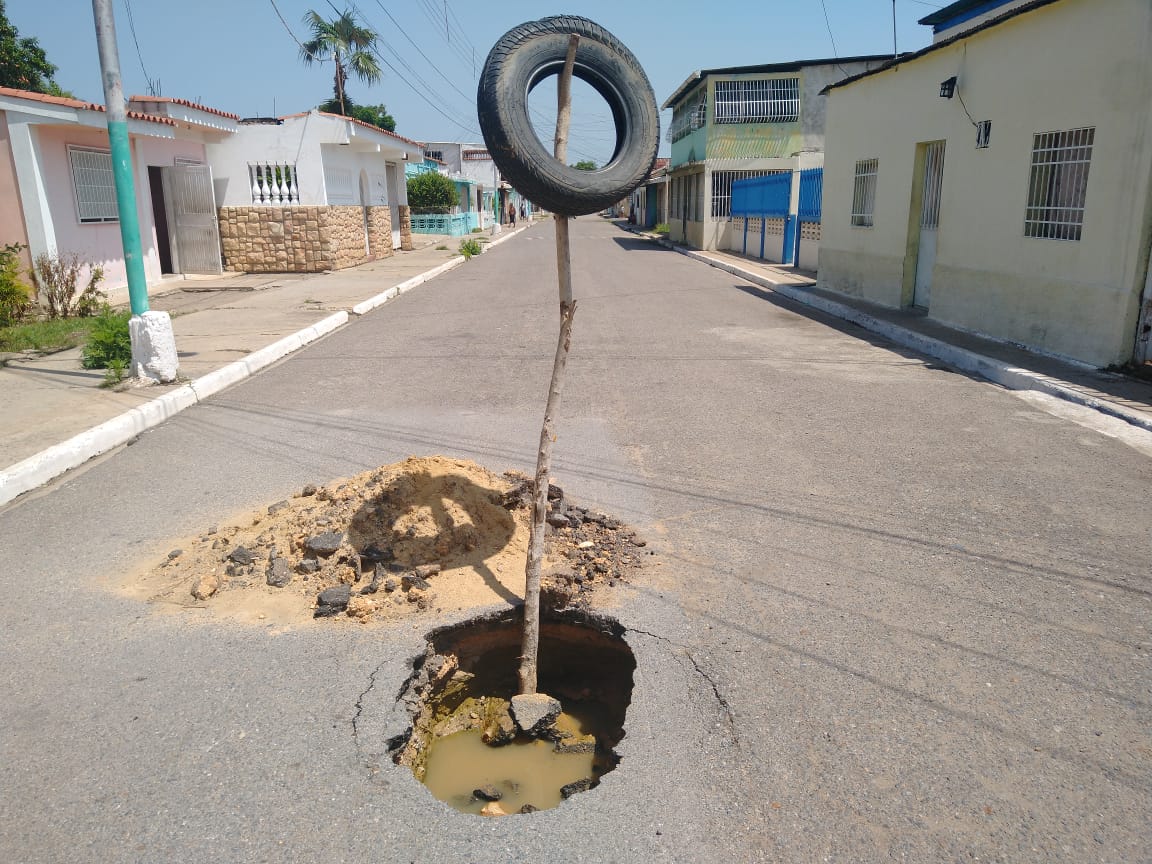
[[530, 647]]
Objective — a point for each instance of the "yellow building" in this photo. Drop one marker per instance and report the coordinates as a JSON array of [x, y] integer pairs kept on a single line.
[[1001, 179]]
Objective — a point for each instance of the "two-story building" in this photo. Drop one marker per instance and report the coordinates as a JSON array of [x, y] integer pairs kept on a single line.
[[739, 122]]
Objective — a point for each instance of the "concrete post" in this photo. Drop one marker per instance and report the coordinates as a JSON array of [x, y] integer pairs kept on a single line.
[[153, 343]]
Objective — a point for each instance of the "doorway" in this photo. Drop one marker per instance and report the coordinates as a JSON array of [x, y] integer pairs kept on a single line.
[[160, 219], [931, 184]]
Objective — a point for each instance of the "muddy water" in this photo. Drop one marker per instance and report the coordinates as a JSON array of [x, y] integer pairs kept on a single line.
[[526, 772]]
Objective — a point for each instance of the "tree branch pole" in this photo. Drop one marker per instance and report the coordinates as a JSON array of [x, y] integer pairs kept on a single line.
[[530, 648]]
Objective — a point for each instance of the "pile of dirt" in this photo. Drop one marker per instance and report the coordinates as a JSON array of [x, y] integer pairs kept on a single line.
[[429, 534]]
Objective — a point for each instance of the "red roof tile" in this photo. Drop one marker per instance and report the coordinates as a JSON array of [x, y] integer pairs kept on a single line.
[[186, 103], [78, 104]]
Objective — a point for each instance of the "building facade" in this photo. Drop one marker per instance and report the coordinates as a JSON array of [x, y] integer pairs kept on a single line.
[[311, 192], [740, 122], [1001, 179], [57, 194]]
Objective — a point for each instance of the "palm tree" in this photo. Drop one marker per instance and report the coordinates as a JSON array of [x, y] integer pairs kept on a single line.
[[350, 46]]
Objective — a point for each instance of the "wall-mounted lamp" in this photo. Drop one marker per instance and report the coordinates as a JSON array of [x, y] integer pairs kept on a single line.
[[948, 88], [405, 157]]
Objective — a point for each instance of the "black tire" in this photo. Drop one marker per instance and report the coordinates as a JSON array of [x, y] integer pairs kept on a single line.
[[520, 60]]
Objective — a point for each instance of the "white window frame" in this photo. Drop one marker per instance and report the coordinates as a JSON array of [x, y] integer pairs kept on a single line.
[[757, 100], [864, 193], [84, 202], [1058, 183]]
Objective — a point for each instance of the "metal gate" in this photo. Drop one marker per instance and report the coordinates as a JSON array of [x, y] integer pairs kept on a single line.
[[191, 206], [929, 222]]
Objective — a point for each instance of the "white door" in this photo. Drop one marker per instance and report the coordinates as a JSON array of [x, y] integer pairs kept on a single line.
[[191, 203], [929, 222]]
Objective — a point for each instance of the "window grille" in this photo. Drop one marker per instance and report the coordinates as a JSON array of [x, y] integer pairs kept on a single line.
[[864, 193], [1058, 183], [94, 184], [689, 116], [438, 155], [722, 190], [764, 100]]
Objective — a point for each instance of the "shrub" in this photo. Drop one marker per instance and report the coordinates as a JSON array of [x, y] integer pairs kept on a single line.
[[109, 345], [57, 277], [468, 248], [15, 293], [432, 193], [662, 228], [477, 230]]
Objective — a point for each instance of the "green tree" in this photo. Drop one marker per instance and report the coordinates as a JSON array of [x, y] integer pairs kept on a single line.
[[374, 115], [348, 44], [23, 63], [377, 115], [431, 192], [585, 165]]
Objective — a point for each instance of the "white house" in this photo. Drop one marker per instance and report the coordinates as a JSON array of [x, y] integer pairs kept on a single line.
[[310, 192], [1001, 179]]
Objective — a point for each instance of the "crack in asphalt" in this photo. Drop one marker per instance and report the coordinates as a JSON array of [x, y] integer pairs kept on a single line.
[[729, 714], [360, 703]]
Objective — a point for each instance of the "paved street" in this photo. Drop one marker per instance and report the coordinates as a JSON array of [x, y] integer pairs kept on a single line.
[[896, 614]]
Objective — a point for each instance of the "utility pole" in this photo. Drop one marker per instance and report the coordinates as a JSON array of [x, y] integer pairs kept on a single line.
[[153, 343], [895, 53]]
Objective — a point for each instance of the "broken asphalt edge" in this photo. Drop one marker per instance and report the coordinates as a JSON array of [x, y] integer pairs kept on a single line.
[[996, 371], [48, 464]]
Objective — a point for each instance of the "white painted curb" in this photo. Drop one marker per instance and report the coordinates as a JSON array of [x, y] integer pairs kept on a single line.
[[48, 464], [997, 371]]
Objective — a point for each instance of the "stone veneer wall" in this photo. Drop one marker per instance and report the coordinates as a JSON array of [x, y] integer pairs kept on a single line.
[[346, 235], [275, 239], [406, 228], [302, 239], [380, 231]]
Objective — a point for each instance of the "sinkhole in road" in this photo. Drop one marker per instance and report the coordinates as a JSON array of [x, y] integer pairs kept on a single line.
[[464, 744]]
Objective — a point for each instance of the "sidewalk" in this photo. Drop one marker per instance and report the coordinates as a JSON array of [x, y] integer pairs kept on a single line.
[[57, 416], [1016, 368]]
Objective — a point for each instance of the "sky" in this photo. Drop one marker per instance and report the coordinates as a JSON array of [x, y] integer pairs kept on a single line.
[[242, 56]]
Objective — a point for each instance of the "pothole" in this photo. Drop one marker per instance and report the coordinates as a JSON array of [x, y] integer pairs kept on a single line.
[[464, 743], [427, 535]]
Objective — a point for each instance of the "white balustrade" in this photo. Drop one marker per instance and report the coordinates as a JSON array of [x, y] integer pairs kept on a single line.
[[273, 183]]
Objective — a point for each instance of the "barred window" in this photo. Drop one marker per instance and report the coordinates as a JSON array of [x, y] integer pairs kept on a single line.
[[94, 184], [864, 193], [689, 116], [1058, 183], [438, 155], [765, 100], [722, 190]]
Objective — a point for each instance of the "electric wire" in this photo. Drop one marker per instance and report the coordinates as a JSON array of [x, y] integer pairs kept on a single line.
[[828, 24], [153, 89], [303, 50]]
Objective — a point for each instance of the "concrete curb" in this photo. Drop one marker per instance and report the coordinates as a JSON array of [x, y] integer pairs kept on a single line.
[[50, 463], [997, 371]]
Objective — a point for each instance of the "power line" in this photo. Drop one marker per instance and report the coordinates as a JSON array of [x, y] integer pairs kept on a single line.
[[152, 86], [431, 63], [828, 24], [303, 50]]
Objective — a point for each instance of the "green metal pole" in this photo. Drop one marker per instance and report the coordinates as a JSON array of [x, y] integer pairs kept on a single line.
[[121, 155]]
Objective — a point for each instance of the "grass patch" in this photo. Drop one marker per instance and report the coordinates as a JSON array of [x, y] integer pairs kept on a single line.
[[46, 336], [662, 228]]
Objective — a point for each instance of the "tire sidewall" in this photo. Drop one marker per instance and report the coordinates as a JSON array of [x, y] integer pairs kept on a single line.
[[523, 158]]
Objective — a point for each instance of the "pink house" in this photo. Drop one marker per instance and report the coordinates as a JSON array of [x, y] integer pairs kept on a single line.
[[56, 192]]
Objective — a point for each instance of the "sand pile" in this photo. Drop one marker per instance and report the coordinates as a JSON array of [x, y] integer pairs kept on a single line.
[[426, 535]]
